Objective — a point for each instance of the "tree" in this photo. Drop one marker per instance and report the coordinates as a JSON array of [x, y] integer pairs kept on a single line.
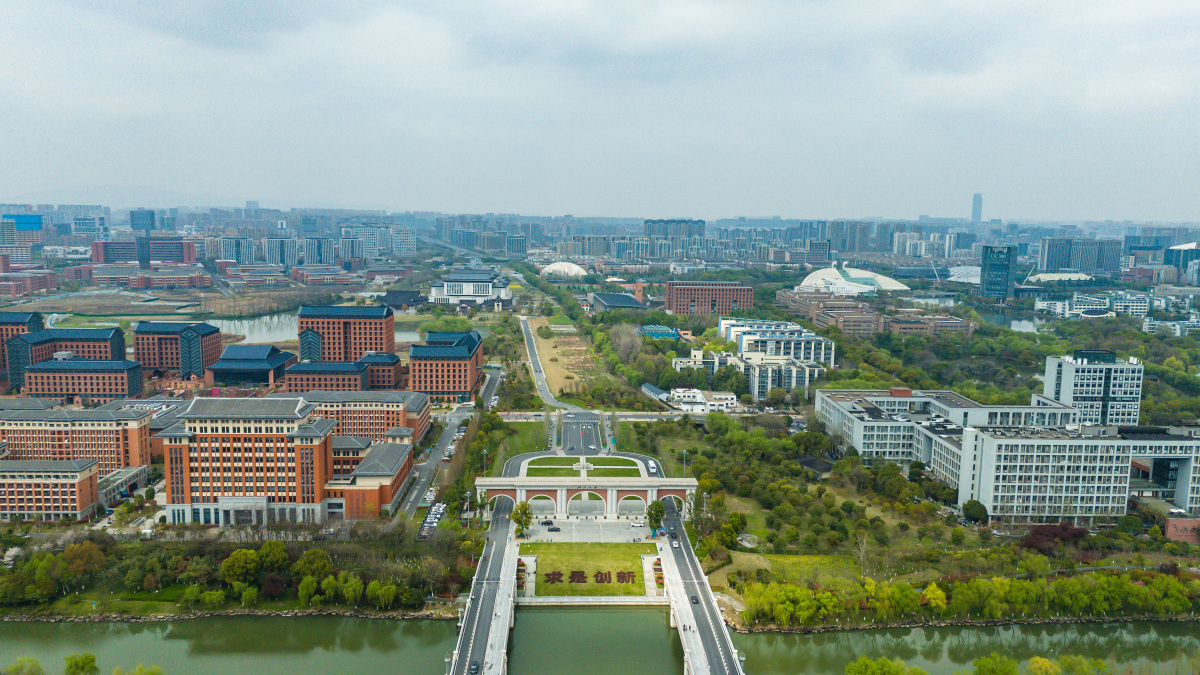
[[431, 570], [81, 664], [994, 664], [273, 557], [975, 512], [25, 666], [213, 598], [1039, 665], [140, 670], [241, 565], [935, 598], [654, 514], [308, 587], [957, 536], [881, 666], [522, 516], [314, 563], [352, 588], [191, 595], [249, 597], [776, 396], [150, 494]]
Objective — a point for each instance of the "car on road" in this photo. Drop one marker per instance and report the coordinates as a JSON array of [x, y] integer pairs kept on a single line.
[[474, 667], [674, 535], [695, 600], [674, 544], [548, 523], [591, 447], [554, 529]]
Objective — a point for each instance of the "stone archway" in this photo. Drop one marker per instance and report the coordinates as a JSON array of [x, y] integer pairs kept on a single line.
[[542, 505], [631, 506], [586, 503]]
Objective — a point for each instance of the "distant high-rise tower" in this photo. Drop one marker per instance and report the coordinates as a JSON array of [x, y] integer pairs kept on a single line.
[[141, 221], [977, 208], [996, 271]]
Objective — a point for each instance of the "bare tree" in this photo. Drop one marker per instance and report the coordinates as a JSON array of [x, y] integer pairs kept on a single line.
[[860, 542], [626, 341]]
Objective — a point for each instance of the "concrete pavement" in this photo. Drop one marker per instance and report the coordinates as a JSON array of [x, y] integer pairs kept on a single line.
[[481, 608]]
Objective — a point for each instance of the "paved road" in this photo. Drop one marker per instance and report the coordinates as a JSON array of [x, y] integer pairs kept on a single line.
[[581, 434], [709, 624], [490, 385], [425, 471], [481, 608], [539, 375]]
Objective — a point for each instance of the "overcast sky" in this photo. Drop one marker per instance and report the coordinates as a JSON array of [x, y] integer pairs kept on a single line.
[[1056, 109]]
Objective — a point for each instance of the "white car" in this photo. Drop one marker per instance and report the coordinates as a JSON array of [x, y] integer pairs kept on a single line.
[[637, 523], [591, 447], [674, 544]]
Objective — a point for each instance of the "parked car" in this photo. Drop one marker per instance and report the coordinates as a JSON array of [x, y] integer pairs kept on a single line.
[[637, 523], [554, 529]]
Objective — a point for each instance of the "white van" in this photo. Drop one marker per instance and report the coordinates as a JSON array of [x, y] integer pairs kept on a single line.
[[653, 466]]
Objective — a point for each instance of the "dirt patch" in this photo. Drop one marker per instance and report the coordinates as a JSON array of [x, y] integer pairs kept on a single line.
[[554, 361]]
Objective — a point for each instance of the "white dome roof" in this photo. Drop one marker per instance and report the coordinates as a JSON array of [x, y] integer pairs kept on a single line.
[[850, 281], [564, 269]]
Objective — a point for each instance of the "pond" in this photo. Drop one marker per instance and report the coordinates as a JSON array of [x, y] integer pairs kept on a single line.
[[282, 328]]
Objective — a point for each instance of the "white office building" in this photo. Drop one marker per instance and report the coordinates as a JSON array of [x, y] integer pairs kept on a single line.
[[702, 402], [1104, 389], [472, 287], [776, 338]]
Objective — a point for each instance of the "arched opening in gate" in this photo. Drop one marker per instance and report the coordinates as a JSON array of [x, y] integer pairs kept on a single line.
[[631, 506], [672, 500], [586, 504], [541, 505], [499, 505]]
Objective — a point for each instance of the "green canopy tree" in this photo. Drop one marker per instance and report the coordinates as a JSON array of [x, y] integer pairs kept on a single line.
[[273, 557], [241, 565], [654, 513], [522, 516]]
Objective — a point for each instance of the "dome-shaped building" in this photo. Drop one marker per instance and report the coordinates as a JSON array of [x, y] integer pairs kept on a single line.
[[563, 269]]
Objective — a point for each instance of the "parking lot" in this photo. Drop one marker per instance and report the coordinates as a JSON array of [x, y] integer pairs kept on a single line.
[[587, 531]]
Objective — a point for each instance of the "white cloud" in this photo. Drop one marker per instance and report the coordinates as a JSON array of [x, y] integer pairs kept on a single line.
[[815, 108]]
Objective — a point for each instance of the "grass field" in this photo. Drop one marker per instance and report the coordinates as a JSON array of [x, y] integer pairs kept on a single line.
[[611, 461], [553, 461], [589, 559], [756, 518], [551, 472], [801, 568], [610, 472]]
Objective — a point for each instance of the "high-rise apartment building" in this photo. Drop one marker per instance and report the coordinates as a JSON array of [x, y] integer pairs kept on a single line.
[[516, 245], [319, 251], [977, 208], [241, 250], [667, 229], [996, 271], [1089, 256], [285, 252], [1104, 389], [347, 333], [95, 227], [707, 297]]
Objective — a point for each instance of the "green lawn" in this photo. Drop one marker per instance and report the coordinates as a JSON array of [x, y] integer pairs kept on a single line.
[[553, 461], [560, 320], [589, 559], [756, 518], [530, 437], [800, 568], [551, 472], [614, 473], [611, 461]]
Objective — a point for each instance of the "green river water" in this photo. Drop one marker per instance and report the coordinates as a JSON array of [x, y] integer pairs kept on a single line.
[[596, 641]]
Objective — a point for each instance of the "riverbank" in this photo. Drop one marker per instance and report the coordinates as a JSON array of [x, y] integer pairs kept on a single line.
[[959, 623], [117, 617]]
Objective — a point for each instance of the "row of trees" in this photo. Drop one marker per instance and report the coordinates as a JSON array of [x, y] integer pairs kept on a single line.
[[1093, 594], [74, 664], [992, 664]]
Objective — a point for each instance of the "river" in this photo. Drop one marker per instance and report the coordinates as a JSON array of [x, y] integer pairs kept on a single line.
[[282, 328], [567, 641]]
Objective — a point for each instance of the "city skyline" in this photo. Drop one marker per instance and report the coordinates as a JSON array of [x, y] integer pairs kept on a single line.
[[672, 109]]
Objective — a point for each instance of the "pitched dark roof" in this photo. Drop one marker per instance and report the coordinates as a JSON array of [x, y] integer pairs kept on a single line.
[[403, 298], [25, 403], [173, 327], [446, 346], [7, 465], [17, 317], [82, 366], [379, 358], [367, 312], [385, 459], [351, 442], [93, 415], [413, 400], [618, 300], [251, 357], [292, 408], [38, 337], [348, 367]]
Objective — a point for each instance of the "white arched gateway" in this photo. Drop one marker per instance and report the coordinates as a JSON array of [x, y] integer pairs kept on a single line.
[[607, 491]]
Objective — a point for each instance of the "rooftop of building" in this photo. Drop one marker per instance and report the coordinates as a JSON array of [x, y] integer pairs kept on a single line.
[[618, 300], [318, 428], [379, 358], [345, 312], [251, 357], [81, 366], [1132, 433], [399, 432], [38, 337], [11, 318], [385, 459], [446, 346], [291, 408], [39, 465], [351, 443], [328, 368], [119, 476], [165, 409], [26, 403], [173, 328], [100, 414], [413, 400]]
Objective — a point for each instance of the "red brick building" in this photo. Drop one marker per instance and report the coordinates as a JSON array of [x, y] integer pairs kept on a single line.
[[38, 490], [448, 367], [707, 297], [115, 438], [184, 348], [84, 380], [26, 349], [334, 376], [375, 483], [345, 333], [13, 324]]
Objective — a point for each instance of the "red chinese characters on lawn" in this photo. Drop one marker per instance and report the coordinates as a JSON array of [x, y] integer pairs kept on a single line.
[[626, 577], [581, 577], [554, 577]]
